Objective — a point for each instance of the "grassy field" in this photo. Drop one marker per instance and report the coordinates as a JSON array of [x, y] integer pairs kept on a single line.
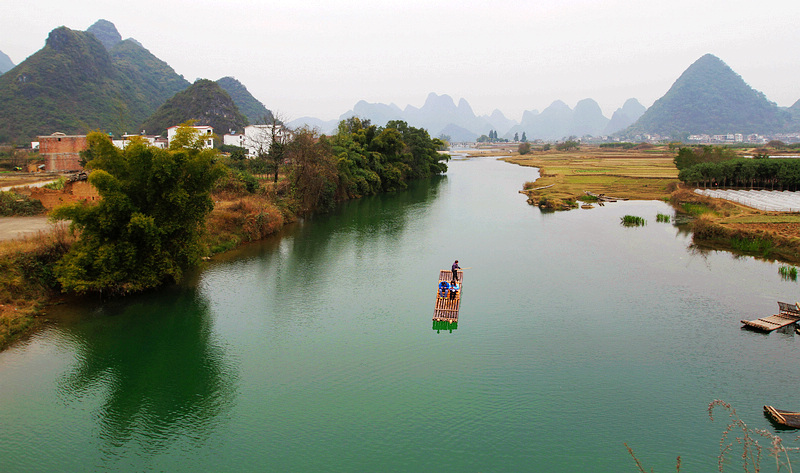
[[632, 174], [649, 174]]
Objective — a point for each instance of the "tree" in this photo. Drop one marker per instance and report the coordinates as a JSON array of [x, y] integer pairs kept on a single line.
[[516, 136], [146, 228], [688, 157], [524, 148], [269, 139], [524, 138], [568, 145], [314, 177]]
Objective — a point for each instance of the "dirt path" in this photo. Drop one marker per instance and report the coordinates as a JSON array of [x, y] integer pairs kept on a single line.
[[18, 227]]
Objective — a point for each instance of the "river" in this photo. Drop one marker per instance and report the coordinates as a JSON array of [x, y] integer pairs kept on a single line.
[[315, 350]]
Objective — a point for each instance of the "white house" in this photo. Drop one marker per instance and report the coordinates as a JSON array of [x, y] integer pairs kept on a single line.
[[207, 132], [233, 139], [152, 140], [256, 139]]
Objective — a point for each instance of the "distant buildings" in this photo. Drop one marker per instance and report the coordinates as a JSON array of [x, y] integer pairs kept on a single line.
[[153, 140]]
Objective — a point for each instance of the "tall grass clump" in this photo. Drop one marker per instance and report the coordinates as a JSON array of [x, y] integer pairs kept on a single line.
[[662, 218], [788, 273], [695, 209], [633, 221], [753, 245], [56, 185]]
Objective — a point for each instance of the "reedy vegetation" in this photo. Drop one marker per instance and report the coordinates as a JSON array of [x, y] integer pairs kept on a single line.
[[746, 437]]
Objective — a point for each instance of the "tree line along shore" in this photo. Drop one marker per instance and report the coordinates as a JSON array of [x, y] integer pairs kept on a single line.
[[163, 211], [243, 202]]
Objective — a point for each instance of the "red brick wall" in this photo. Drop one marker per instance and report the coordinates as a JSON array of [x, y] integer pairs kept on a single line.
[[61, 152], [72, 192]]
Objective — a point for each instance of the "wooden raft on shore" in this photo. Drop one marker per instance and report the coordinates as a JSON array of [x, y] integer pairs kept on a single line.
[[603, 197], [784, 418], [447, 309], [787, 315]]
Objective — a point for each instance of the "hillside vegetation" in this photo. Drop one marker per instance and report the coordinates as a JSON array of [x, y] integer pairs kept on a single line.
[[205, 102], [710, 98], [74, 85], [251, 107]]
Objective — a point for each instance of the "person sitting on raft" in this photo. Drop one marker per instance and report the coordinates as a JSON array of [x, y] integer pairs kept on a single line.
[[444, 286], [453, 289]]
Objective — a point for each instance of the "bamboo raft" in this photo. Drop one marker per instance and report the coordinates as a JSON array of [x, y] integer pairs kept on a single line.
[[787, 315], [784, 418], [446, 309]]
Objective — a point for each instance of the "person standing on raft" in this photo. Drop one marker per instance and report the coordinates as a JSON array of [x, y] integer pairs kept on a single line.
[[455, 268]]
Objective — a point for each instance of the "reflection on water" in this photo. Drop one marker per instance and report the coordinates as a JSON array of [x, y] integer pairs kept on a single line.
[[445, 325], [161, 375]]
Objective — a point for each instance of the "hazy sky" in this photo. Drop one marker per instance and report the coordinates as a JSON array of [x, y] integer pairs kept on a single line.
[[318, 58]]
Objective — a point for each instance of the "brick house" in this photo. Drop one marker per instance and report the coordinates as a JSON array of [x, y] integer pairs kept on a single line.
[[62, 152]]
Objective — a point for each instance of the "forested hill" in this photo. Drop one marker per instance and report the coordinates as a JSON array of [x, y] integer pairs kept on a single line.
[[204, 101], [709, 97], [251, 107], [74, 85], [5, 63]]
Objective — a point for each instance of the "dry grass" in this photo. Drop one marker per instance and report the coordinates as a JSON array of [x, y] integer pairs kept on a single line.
[[241, 217], [634, 174], [26, 278]]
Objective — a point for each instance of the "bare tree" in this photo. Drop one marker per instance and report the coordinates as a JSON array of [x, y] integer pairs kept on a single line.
[[267, 141]]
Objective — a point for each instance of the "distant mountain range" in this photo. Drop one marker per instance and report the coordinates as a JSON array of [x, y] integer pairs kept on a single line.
[[707, 98], [5, 63], [441, 116], [81, 81]]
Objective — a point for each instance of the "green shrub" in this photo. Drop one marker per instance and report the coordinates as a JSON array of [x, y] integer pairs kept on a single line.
[[56, 185], [662, 218], [752, 245], [695, 209], [13, 204]]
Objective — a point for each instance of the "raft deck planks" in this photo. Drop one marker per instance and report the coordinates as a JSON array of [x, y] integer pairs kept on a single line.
[[786, 418], [446, 308], [787, 315]]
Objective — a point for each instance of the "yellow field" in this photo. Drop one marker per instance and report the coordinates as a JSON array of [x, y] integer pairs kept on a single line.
[[633, 174]]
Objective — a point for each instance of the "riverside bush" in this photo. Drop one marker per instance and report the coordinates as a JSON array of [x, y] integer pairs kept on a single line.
[[13, 204]]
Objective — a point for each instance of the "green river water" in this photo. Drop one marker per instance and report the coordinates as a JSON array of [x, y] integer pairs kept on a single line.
[[315, 350]]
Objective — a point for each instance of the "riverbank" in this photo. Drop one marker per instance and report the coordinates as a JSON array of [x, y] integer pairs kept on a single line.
[[648, 173], [26, 279], [32, 246]]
